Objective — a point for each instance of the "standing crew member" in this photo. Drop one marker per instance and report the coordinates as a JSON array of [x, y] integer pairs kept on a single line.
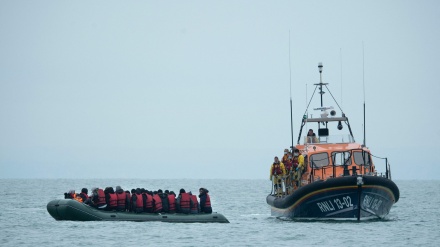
[[277, 172], [298, 166], [287, 161]]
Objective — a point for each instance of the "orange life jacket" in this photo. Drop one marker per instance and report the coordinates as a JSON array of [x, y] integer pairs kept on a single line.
[[77, 197]]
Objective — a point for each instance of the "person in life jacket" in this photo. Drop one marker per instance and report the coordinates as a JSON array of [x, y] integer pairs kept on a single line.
[[98, 198], [157, 202], [137, 201], [172, 201], [287, 161], [82, 197], [183, 202], [70, 195], [133, 201], [195, 204], [149, 202], [285, 158], [121, 199], [165, 202], [128, 205], [277, 173], [205, 201], [297, 166], [111, 198]]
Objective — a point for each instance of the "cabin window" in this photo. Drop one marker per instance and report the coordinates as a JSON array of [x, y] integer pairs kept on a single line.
[[359, 158], [341, 158], [319, 160]]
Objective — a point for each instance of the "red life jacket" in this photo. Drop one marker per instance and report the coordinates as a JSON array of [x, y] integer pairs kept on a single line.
[[113, 200], [85, 195], [276, 169], [195, 205], [101, 197], [172, 201], [149, 203], [208, 201], [288, 165], [295, 161], [157, 203], [122, 197], [139, 201], [184, 201]]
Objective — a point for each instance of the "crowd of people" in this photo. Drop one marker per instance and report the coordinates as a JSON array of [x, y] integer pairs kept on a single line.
[[287, 172], [141, 200]]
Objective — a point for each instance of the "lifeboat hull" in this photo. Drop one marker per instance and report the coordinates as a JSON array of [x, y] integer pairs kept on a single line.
[[67, 209], [342, 198]]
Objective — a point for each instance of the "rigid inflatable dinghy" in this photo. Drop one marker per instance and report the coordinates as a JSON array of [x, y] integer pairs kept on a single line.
[[67, 209]]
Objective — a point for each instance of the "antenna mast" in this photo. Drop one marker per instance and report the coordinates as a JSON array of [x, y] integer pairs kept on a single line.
[[363, 83], [290, 82]]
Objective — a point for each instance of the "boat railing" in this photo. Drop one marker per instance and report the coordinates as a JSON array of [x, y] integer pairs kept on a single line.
[[331, 139], [387, 166]]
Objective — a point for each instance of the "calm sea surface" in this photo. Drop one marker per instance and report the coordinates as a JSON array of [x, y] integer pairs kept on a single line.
[[24, 221]]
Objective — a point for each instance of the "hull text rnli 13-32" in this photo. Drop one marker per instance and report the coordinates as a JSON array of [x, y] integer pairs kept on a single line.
[[330, 177]]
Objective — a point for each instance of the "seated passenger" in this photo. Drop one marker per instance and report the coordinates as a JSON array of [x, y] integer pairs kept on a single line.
[[82, 197], [138, 202], [157, 202], [148, 201], [110, 198], [133, 201], [165, 202], [205, 201], [98, 198], [122, 198], [172, 202], [70, 195], [195, 204], [183, 202], [128, 205]]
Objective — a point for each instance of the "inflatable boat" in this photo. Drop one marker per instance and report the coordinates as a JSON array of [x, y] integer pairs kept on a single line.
[[68, 209]]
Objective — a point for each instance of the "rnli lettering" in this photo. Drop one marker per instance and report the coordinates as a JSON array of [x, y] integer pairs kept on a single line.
[[341, 203], [326, 206], [370, 202]]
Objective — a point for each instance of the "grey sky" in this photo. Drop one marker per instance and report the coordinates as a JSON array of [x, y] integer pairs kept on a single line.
[[200, 89]]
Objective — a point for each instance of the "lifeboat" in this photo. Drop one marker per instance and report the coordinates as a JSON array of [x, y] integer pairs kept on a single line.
[[338, 180], [68, 209]]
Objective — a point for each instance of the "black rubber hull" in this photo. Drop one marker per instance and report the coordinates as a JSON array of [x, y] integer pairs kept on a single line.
[[66, 209], [338, 199]]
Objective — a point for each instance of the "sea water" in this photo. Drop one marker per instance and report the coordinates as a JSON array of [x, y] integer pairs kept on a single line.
[[24, 221]]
